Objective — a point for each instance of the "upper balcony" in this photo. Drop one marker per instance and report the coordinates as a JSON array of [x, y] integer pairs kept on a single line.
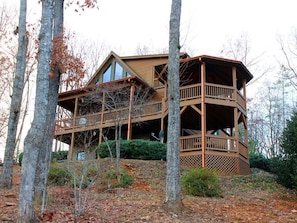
[[189, 95]]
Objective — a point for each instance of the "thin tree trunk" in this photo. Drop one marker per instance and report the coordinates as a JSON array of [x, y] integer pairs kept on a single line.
[[37, 134], [22, 122], [173, 200], [16, 99], [45, 155]]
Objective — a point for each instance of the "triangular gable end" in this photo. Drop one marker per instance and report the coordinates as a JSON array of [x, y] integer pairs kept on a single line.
[[113, 66]]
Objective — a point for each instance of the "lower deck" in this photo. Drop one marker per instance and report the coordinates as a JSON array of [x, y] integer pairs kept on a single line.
[[225, 154]]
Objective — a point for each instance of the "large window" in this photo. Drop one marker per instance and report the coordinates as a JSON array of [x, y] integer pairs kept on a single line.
[[118, 72], [107, 74], [114, 71]]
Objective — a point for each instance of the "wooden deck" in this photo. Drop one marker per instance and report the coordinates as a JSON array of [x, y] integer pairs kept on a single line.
[[189, 95]]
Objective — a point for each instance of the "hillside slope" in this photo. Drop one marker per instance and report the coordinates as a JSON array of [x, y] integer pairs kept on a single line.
[[253, 198]]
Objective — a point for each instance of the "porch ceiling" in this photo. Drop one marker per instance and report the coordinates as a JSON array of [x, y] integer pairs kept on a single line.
[[217, 117]]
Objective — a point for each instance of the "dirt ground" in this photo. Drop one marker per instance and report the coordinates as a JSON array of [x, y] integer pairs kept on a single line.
[[253, 198]]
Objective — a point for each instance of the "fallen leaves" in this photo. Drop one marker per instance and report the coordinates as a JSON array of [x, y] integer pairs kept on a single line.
[[246, 199]]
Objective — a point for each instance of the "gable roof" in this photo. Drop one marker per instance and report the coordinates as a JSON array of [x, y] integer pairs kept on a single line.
[[122, 61], [112, 56]]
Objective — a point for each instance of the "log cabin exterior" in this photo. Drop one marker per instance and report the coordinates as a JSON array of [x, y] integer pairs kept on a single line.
[[212, 108]]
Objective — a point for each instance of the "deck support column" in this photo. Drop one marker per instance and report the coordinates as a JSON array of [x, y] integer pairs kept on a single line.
[[129, 133], [203, 114], [72, 134], [245, 124], [101, 118], [235, 116]]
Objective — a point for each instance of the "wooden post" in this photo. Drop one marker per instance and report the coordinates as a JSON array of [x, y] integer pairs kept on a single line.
[[129, 133], [71, 147], [234, 79], [102, 117], [72, 134], [235, 117], [203, 114]]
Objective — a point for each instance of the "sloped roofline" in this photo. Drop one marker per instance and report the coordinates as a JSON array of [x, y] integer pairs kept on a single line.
[[137, 57], [131, 79], [219, 60]]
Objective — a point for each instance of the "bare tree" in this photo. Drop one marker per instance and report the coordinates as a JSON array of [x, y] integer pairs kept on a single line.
[[16, 98], [44, 155], [289, 51], [119, 101], [173, 201], [36, 136], [268, 114], [241, 49]]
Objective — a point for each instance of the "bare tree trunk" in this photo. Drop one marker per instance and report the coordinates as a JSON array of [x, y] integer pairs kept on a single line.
[[37, 134], [16, 99], [173, 200], [22, 122], [45, 154]]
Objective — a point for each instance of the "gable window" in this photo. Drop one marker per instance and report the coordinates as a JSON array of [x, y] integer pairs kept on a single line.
[[118, 72], [107, 74], [114, 71]]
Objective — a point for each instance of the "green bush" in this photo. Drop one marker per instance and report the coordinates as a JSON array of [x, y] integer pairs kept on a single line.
[[60, 155], [259, 161], [56, 156], [58, 174], [21, 155], [201, 182], [134, 149], [125, 181], [285, 166]]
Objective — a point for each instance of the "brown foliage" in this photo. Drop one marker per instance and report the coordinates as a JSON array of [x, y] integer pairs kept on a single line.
[[68, 65], [246, 199]]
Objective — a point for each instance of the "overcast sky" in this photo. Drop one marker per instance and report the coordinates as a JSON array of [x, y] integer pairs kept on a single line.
[[205, 25]]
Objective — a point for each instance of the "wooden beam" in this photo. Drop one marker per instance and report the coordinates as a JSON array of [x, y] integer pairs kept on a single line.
[[196, 109], [182, 110], [203, 114]]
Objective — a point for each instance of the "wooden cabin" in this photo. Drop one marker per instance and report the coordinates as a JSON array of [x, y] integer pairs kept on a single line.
[[212, 108]]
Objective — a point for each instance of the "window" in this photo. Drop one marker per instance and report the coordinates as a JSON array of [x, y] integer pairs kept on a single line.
[[107, 74], [81, 156], [114, 71]]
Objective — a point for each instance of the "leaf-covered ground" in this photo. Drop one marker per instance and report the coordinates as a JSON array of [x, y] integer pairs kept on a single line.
[[253, 198]]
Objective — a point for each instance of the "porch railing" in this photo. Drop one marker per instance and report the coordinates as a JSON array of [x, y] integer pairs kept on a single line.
[[188, 92], [213, 143], [108, 116], [220, 92]]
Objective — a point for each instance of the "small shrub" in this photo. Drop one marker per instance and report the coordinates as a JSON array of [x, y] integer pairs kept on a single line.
[[126, 180], [201, 182], [21, 155], [58, 174]]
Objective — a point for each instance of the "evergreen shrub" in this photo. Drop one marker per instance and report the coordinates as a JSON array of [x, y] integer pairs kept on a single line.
[[285, 166], [201, 182], [58, 174], [259, 161], [56, 156], [20, 158], [60, 155], [134, 149]]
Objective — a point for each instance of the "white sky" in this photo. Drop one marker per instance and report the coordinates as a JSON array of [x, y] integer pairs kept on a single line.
[[205, 25]]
